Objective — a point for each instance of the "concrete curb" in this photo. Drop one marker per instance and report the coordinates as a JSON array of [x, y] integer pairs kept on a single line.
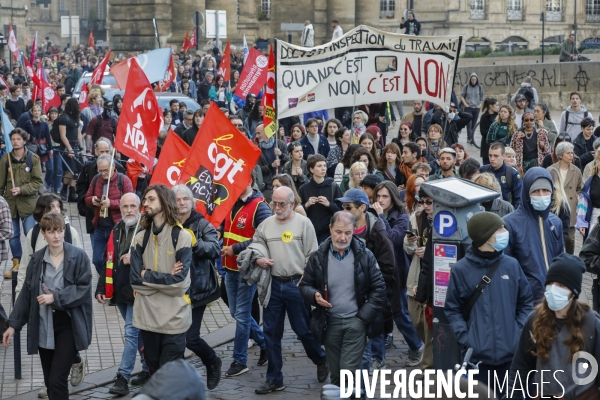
[[104, 377]]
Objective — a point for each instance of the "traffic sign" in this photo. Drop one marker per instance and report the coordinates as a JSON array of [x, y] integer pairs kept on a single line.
[[292, 27], [198, 18], [445, 223]]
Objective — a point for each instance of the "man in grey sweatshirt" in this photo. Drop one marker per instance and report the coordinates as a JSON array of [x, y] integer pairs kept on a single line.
[[472, 97]]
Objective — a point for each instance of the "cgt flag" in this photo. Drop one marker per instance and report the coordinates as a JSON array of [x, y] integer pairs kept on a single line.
[[91, 40], [98, 73], [254, 74], [218, 166], [225, 64], [171, 161], [268, 100], [141, 119]]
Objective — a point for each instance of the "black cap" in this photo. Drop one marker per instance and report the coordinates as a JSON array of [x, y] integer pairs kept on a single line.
[[567, 270], [371, 180]]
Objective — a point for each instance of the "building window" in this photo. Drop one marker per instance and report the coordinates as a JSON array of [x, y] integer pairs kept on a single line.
[[387, 9], [553, 10], [100, 9], [61, 6], [237, 7], [85, 11], [592, 10], [514, 10], [477, 9], [265, 7]]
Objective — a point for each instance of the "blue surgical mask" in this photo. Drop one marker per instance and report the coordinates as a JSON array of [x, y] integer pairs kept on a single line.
[[557, 297], [501, 241], [541, 203]]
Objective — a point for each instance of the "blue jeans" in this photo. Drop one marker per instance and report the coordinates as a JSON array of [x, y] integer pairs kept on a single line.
[[15, 241], [133, 343], [54, 172], [405, 325], [240, 306], [285, 296], [375, 348], [99, 242]]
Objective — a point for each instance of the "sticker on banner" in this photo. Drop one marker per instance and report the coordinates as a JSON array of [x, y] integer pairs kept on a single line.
[[444, 257], [445, 224]]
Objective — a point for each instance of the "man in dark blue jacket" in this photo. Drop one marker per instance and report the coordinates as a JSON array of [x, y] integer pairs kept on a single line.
[[312, 142], [491, 327], [536, 234], [509, 178]]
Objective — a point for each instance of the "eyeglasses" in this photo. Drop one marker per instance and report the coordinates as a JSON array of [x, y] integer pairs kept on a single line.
[[102, 171], [528, 120], [348, 207], [565, 138], [280, 204], [428, 202]]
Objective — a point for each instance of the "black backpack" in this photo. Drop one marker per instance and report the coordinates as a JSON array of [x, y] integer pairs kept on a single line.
[[36, 232], [528, 93], [174, 237], [28, 161], [54, 133]]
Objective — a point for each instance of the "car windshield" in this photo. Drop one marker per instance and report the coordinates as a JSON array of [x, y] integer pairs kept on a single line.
[[107, 80]]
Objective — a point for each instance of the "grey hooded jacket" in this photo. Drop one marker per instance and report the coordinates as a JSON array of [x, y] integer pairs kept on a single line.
[[473, 95]]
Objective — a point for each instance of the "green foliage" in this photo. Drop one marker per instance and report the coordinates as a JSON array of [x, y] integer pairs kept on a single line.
[[591, 50], [486, 51]]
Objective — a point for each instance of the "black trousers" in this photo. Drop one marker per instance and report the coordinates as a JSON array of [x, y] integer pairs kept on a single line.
[[160, 348], [193, 340], [56, 364]]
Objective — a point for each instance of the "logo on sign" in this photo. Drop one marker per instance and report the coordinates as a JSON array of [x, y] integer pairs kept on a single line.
[[445, 224], [262, 61], [310, 97], [292, 102], [49, 93]]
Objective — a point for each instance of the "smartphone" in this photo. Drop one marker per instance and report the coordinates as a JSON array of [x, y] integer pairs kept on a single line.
[[412, 233]]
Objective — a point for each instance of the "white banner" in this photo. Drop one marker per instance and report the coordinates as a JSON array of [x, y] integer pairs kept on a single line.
[[365, 66]]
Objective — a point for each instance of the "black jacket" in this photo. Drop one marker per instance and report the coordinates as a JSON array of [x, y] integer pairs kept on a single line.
[[75, 298], [318, 214], [451, 128], [585, 156], [122, 290], [425, 286], [590, 251], [89, 170], [484, 126], [368, 281], [204, 255]]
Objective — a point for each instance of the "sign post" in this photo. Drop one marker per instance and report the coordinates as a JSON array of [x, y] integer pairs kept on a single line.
[[216, 26], [454, 203], [197, 20], [291, 27]]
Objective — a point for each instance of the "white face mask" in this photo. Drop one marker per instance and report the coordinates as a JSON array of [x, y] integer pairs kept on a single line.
[[557, 297], [451, 115]]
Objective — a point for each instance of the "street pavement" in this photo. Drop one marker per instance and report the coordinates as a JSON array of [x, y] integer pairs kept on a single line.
[[105, 351]]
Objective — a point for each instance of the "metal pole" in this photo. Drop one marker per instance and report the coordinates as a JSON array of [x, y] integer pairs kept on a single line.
[[70, 31], [156, 31], [17, 335], [575, 25], [543, 31], [289, 37], [217, 28], [197, 30]]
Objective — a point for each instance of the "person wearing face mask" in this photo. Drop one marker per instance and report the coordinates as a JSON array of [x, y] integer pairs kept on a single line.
[[560, 326], [536, 234], [486, 319], [452, 122]]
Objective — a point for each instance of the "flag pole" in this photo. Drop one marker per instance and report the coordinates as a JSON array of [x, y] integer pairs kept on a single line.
[[135, 231], [12, 177], [110, 168]]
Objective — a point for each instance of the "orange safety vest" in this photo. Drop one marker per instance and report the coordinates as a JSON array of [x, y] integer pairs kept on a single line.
[[110, 258], [239, 228]]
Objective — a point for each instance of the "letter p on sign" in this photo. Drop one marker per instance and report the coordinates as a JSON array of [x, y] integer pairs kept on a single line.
[[445, 224]]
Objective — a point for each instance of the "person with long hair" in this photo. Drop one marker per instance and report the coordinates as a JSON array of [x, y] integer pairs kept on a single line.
[[39, 134], [530, 144], [498, 206], [570, 177], [413, 185], [489, 112], [368, 142], [168, 119], [343, 137], [359, 122], [56, 305], [343, 167], [71, 143], [185, 89], [190, 133], [405, 134], [469, 169], [435, 141], [297, 132], [389, 164], [286, 180], [329, 129], [543, 121], [352, 179], [219, 93], [392, 212], [503, 128], [588, 206], [363, 155], [461, 153], [560, 205], [254, 118], [54, 166], [117, 106], [233, 82], [296, 167], [554, 333]]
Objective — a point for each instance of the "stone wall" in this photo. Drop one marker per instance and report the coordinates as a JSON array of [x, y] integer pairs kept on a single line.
[[553, 82]]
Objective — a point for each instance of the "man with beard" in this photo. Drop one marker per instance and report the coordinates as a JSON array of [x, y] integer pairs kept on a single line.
[[416, 118], [346, 300], [520, 109], [160, 275], [290, 239], [446, 161], [117, 291]]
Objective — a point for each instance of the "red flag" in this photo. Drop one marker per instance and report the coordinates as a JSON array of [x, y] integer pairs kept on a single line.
[[12, 42], [141, 119], [186, 43], [225, 65], [270, 117], [169, 77], [35, 90], [3, 82], [254, 74], [194, 39], [91, 40], [33, 49], [49, 97], [30, 74], [218, 165], [98, 73], [171, 161], [83, 96]]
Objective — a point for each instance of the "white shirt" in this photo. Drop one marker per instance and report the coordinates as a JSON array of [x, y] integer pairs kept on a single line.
[[338, 32]]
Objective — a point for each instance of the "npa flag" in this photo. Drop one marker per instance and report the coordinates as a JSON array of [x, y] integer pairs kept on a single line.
[[12, 43], [268, 100], [7, 128], [254, 74], [194, 39], [141, 119], [154, 64], [171, 161], [33, 49], [246, 51], [218, 165], [83, 96], [225, 65], [186, 42], [164, 84], [91, 40], [49, 96], [98, 73]]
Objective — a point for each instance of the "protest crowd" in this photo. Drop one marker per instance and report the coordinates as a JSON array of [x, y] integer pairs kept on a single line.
[[331, 228]]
